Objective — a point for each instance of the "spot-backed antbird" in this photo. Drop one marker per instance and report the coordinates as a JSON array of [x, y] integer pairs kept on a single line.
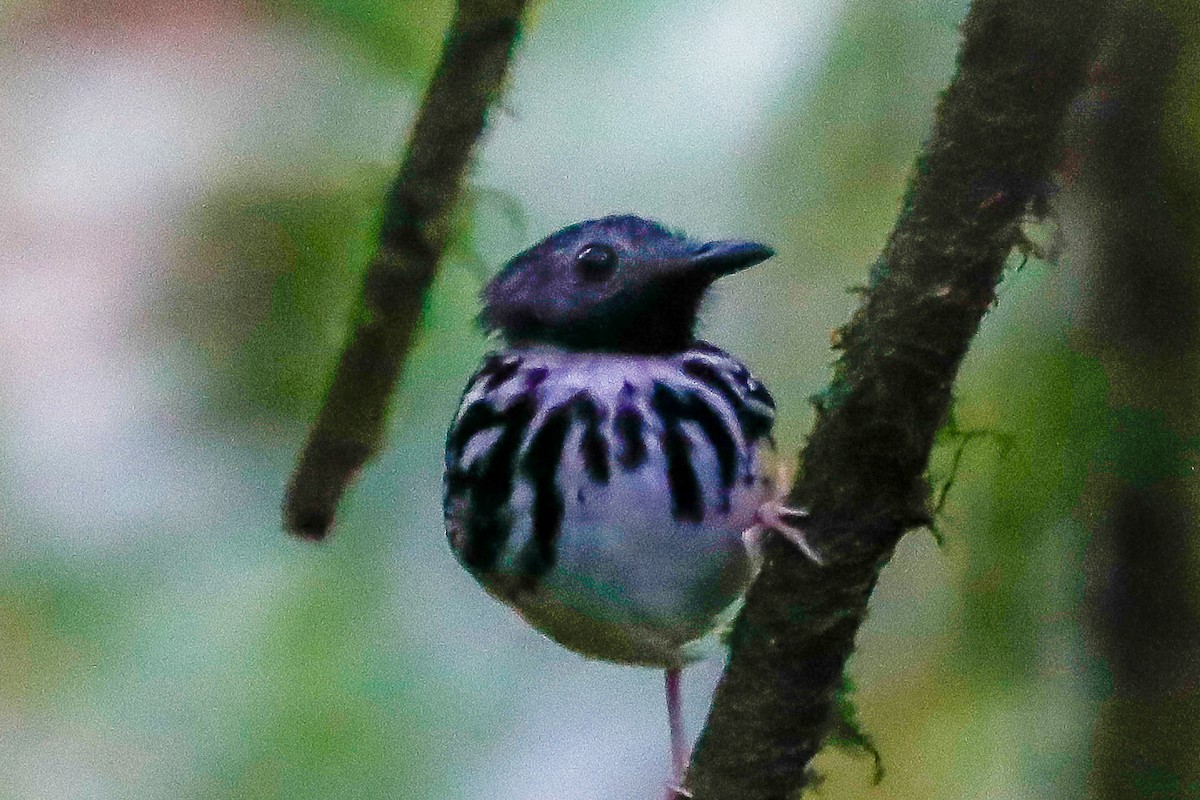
[[604, 472]]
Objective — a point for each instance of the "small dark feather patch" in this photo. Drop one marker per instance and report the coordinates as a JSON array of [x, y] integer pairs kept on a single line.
[[486, 535], [687, 502], [711, 377], [760, 393], [478, 417], [491, 363], [502, 373], [535, 377], [593, 445], [755, 424]]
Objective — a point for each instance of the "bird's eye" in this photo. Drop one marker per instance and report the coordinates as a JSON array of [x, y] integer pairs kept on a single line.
[[596, 261]]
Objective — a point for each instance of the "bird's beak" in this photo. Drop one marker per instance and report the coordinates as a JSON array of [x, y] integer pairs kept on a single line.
[[717, 259]]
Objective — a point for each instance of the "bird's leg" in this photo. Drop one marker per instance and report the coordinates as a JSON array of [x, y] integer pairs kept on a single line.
[[679, 750], [774, 515]]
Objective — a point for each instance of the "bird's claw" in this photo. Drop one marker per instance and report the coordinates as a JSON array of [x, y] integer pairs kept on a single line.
[[775, 515], [786, 521]]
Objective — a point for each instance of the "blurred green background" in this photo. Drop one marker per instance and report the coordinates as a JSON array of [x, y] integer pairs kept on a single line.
[[188, 196]]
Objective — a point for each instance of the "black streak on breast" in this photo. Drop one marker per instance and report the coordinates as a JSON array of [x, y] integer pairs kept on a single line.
[[629, 426], [754, 423], [502, 372], [716, 430], [540, 465], [490, 481], [687, 502]]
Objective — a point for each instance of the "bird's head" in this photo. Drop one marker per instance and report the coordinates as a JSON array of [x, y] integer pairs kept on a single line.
[[620, 283]]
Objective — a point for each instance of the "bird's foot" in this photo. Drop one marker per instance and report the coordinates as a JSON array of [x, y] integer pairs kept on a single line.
[[775, 515], [786, 521]]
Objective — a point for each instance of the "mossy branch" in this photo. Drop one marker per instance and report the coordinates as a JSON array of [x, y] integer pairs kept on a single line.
[[414, 234], [993, 147]]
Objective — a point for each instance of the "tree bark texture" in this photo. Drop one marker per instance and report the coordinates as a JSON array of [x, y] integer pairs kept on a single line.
[[413, 235], [994, 146]]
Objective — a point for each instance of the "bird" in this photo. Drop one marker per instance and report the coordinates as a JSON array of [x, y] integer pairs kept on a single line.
[[607, 472]]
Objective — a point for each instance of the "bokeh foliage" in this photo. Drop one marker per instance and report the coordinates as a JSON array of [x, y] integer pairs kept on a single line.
[[393, 38], [177, 644]]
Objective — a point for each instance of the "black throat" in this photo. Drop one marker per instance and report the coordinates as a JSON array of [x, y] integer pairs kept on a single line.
[[661, 325]]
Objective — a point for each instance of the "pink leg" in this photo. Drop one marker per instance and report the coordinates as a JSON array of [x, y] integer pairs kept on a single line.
[[679, 749]]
